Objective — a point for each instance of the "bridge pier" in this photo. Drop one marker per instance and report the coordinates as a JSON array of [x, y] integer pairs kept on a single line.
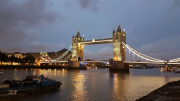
[[75, 65], [118, 66]]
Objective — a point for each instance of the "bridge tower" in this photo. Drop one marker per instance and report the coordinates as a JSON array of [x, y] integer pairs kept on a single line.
[[77, 49], [119, 51]]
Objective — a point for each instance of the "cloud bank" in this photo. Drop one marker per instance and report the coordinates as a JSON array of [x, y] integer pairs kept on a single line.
[[92, 4], [18, 23], [165, 48]]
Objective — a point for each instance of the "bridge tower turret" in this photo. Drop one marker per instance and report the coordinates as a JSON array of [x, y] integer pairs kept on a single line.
[[123, 39], [77, 49], [118, 48]]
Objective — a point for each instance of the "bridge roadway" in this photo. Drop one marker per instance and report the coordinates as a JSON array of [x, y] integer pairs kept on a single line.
[[107, 62], [97, 41]]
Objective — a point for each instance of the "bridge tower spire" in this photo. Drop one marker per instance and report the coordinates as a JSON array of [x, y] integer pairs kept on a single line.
[[118, 48], [113, 30], [77, 49], [119, 28]]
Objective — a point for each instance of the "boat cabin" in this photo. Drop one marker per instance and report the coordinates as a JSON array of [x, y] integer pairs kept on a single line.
[[12, 92]]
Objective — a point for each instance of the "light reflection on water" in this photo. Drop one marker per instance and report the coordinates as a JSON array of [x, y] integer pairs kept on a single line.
[[95, 84], [118, 82], [79, 93]]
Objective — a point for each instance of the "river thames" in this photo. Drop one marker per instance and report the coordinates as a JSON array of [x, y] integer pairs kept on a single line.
[[95, 84]]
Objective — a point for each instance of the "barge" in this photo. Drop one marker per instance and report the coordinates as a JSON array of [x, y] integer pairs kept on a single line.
[[32, 84]]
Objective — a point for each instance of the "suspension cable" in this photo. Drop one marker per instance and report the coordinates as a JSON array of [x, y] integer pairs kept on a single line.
[[60, 57], [142, 55]]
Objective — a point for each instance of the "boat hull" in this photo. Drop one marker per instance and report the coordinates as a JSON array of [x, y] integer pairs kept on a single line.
[[176, 71], [35, 90], [6, 97]]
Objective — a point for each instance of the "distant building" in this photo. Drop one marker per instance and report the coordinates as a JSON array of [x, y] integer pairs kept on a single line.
[[44, 55], [22, 55], [54, 55]]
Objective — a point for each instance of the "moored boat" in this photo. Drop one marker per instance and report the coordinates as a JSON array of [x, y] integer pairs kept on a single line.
[[32, 84], [1, 72], [177, 70], [93, 67], [162, 69], [168, 69]]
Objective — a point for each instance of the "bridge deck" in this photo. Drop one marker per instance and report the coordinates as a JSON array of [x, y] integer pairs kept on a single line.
[[98, 41]]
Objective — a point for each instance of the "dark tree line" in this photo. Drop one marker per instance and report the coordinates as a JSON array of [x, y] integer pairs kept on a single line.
[[3, 57], [28, 59]]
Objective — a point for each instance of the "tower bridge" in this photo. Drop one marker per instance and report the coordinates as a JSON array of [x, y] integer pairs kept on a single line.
[[118, 61], [118, 37]]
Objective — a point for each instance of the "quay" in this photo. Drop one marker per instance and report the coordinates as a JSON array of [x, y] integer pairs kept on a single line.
[[168, 92]]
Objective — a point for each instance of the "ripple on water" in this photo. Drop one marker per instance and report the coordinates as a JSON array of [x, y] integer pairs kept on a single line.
[[95, 84]]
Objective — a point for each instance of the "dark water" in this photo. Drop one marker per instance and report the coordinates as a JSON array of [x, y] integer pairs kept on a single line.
[[95, 84]]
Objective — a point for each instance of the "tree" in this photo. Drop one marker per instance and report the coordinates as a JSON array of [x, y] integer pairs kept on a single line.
[[12, 59], [19, 60], [3, 57], [29, 59]]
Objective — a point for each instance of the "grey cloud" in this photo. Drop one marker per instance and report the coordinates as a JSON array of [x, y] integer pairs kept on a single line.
[[29, 13], [176, 3], [17, 19], [84, 3], [14, 48], [165, 48], [44, 46], [92, 4], [34, 46]]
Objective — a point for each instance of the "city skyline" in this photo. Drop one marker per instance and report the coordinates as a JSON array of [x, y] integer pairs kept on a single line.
[[152, 27]]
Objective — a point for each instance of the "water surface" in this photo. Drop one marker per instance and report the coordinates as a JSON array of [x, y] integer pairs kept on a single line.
[[95, 84]]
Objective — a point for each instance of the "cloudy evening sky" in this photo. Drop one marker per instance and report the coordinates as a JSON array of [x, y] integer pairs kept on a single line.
[[152, 26]]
